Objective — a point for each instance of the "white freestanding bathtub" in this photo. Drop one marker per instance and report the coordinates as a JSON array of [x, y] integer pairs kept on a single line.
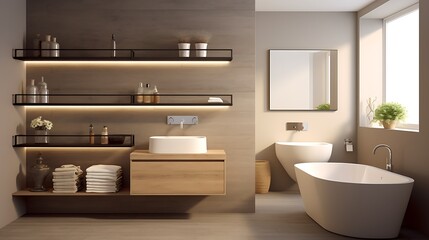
[[354, 200]]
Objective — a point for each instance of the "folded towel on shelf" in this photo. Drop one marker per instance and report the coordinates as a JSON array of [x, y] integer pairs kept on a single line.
[[59, 184], [65, 173], [55, 180], [89, 177], [118, 173], [65, 188], [97, 184], [100, 190], [68, 177], [64, 191], [68, 168], [101, 168]]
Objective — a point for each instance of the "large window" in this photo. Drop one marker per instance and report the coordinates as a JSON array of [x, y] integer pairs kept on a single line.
[[401, 76]]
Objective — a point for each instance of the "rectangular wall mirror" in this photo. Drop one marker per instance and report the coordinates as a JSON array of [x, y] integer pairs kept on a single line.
[[303, 80]]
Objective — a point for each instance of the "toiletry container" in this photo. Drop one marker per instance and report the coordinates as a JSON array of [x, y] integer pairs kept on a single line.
[[91, 134], [104, 136], [55, 48], [201, 49], [147, 94], [36, 46], [46, 46], [43, 91], [156, 97], [113, 45], [39, 172], [184, 49], [140, 92], [32, 91]]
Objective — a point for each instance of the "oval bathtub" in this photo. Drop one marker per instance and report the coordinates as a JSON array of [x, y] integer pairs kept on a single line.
[[353, 199]]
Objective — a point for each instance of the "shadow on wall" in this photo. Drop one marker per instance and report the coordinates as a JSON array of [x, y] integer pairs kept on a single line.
[[280, 180]]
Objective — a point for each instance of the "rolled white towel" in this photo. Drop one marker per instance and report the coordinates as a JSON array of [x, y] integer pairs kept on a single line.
[[103, 168]]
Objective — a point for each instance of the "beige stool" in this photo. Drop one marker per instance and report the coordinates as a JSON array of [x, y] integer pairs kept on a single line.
[[262, 176]]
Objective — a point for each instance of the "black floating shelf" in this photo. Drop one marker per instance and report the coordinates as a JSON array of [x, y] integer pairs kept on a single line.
[[123, 100], [123, 55], [113, 140]]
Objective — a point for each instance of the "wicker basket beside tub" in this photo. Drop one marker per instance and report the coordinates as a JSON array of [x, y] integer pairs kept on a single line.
[[262, 176]]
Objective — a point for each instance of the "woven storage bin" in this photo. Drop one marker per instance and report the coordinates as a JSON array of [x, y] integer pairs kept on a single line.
[[262, 176]]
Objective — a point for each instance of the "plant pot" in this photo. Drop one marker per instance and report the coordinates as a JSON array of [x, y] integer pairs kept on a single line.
[[389, 124], [184, 49], [41, 136]]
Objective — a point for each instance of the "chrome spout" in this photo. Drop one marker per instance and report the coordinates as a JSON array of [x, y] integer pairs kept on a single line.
[[389, 158]]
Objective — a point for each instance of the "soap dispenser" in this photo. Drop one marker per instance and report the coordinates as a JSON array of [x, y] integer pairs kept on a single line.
[[46, 46], [39, 172], [140, 92], [147, 94], [31, 91], [43, 91]]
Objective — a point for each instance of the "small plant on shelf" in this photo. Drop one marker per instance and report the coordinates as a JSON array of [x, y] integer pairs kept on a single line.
[[324, 107], [40, 124], [388, 114]]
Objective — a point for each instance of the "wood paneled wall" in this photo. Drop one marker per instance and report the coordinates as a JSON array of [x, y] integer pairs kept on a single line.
[[149, 24]]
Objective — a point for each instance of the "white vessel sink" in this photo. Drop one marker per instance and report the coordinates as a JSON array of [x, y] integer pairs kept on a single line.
[[178, 144], [290, 153]]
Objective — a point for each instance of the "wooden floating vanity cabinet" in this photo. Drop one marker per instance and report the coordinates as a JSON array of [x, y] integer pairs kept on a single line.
[[178, 174]]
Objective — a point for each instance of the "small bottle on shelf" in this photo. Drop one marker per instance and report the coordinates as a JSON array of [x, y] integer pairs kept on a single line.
[[147, 94], [43, 91], [91, 134], [113, 45], [140, 92], [36, 45], [46, 46], [104, 136], [156, 97], [55, 48], [31, 91]]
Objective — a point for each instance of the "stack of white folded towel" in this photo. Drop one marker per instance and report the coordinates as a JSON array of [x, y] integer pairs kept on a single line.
[[215, 100], [67, 179], [103, 178]]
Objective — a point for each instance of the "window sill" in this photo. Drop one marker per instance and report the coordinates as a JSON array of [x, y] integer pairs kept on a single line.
[[395, 129]]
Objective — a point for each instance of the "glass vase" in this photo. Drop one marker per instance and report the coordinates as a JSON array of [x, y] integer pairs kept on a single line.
[[39, 172], [41, 136]]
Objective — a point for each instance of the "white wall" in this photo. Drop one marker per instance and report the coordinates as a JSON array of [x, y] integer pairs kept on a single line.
[[12, 27], [410, 156], [309, 30]]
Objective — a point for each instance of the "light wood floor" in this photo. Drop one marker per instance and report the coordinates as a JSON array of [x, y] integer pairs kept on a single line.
[[278, 216]]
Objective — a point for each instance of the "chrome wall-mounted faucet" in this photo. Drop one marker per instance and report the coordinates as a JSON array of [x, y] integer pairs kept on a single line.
[[182, 120], [389, 158]]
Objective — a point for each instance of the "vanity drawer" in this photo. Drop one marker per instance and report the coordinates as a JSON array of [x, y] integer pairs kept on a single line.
[[177, 177]]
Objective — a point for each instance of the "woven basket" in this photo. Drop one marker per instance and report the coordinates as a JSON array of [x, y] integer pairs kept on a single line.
[[262, 176]]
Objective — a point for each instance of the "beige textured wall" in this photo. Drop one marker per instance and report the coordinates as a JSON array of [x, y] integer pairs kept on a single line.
[[410, 157], [289, 30], [12, 25], [150, 24]]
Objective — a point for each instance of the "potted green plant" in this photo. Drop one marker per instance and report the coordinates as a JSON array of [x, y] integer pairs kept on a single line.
[[388, 114], [324, 107]]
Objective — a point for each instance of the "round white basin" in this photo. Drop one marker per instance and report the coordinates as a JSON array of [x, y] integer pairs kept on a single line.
[[290, 153], [178, 144]]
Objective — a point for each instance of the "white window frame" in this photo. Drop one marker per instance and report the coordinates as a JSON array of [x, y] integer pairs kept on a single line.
[[385, 20]]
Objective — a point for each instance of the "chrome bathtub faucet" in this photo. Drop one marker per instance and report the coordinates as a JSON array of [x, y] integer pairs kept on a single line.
[[389, 159]]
